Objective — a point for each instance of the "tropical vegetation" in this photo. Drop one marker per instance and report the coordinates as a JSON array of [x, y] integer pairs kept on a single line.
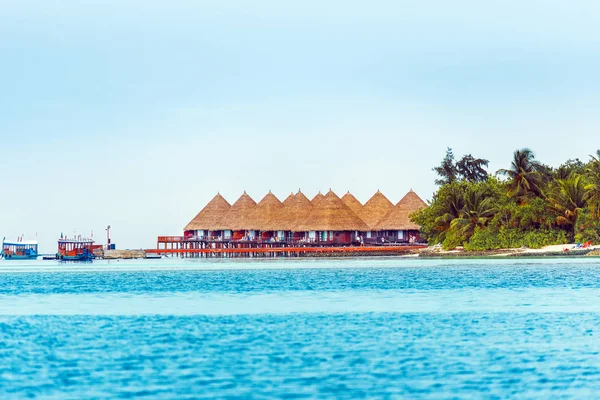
[[528, 204]]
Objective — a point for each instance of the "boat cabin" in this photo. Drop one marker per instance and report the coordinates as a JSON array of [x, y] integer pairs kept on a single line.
[[76, 249], [19, 250]]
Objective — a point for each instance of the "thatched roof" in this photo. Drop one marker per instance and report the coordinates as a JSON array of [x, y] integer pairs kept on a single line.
[[237, 216], [375, 209], [317, 198], [266, 209], [288, 199], [352, 202], [331, 214], [397, 218], [210, 214], [295, 209]]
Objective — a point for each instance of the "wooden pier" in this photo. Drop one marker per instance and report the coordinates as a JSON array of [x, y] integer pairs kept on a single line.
[[176, 245]]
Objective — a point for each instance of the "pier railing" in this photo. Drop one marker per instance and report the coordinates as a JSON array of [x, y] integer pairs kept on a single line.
[[308, 241], [171, 239], [290, 250]]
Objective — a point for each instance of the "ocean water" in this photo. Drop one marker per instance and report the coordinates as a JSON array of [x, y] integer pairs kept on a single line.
[[323, 328]]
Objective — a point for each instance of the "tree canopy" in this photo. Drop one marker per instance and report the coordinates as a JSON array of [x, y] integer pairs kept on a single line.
[[468, 168], [528, 204]]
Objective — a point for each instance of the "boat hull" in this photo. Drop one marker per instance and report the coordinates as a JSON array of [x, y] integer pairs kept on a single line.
[[19, 257], [80, 257]]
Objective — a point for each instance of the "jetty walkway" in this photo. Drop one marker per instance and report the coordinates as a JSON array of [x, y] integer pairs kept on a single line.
[[293, 251]]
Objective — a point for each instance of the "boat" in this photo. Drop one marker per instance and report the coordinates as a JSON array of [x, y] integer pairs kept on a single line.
[[19, 249], [153, 256], [76, 249]]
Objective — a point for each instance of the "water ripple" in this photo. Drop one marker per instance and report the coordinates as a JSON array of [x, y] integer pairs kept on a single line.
[[292, 275], [313, 329], [301, 355]]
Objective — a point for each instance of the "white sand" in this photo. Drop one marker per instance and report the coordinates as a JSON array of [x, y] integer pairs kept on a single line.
[[547, 249], [558, 248]]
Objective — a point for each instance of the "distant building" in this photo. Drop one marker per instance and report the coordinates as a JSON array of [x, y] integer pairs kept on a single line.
[[396, 226], [326, 220], [376, 208]]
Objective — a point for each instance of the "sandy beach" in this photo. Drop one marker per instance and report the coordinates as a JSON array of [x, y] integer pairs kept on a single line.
[[559, 250]]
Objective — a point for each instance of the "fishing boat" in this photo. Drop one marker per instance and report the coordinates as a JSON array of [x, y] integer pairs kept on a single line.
[[76, 249], [19, 249]]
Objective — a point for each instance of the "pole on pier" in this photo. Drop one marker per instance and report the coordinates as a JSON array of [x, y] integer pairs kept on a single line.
[[108, 237]]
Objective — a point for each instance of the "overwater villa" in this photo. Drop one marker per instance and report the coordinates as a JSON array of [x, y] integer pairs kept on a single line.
[[374, 210], [327, 220], [396, 225]]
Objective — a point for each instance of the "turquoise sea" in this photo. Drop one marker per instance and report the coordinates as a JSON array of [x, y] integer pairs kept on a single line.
[[323, 328]]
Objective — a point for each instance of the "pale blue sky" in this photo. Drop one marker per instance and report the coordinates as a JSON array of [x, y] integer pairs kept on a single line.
[[135, 113]]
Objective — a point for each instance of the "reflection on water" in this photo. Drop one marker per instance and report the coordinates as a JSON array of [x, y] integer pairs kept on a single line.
[[324, 328]]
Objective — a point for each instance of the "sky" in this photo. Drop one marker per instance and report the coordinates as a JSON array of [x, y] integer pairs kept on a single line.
[[136, 113]]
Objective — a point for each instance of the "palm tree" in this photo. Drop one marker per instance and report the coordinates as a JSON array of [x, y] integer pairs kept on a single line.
[[452, 204], [567, 199], [477, 211], [593, 186], [525, 179]]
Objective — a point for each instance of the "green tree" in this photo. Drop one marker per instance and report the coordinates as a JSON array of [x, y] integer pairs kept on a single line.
[[569, 168], [593, 186], [478, 209], [447, 170], [463, 201], [524, 178], [533, 215], [444, 207], [546, 172], [587, 227], [568, 198], [536, 205], [472, 169]]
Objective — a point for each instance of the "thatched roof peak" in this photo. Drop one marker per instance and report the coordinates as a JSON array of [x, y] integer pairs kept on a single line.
[[294, 209], [263, 212], [269, 199], [331, 214], [398, 217], [210, 214], [302, 202], [319, 196], [375, 209], [411, 199], [352, 202], [244, 199], [302, 197], [238, 215], [288, 199]]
